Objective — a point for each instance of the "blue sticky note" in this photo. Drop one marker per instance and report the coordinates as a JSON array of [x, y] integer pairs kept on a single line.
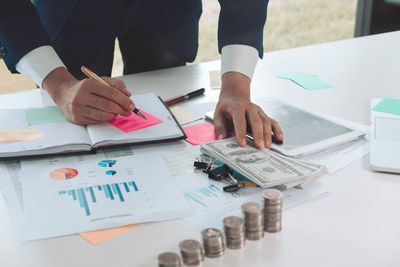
[[36, 116], [388, 105], [306, 80]]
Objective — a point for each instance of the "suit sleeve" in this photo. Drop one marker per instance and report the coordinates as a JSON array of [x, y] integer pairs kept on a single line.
[[21, 31], [242, 22]]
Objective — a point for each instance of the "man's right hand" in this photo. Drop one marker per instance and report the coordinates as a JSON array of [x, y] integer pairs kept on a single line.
[[88, 101]]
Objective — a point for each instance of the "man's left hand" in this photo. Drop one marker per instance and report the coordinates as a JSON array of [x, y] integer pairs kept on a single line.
[[235, 111]]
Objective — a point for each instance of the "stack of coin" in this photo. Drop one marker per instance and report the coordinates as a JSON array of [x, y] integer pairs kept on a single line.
[[192, 252], [213, 241], [272, 210], [169, 259], [254, 220], [234, 232]]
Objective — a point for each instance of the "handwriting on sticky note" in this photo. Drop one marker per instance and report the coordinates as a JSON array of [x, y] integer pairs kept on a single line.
[[388, 105], [36, 116], [6, 136], [99, 236], [182, 116], [306, 80], [200, 133], [134, 122]]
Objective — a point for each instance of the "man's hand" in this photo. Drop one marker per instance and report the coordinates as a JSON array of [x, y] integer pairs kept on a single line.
[[235, 111], [88, 101]]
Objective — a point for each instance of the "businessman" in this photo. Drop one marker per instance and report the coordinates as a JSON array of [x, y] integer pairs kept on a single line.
[[51, 39]]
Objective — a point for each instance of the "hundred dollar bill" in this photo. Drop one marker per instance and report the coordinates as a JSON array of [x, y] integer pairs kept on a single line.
[[263, 166]]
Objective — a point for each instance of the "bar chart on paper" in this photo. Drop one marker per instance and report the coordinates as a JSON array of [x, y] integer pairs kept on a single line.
[[112, 192], [93, 192], [204, 195]]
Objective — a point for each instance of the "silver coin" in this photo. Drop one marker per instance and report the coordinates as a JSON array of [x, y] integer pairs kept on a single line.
[[234, 232], [169, 259], [273, 217], [272, 194], [189, 245], [272, 211], [236, 243], [254, 235], [233, 222], [213, 242], [273, 229], [211, 233], [251, 207], [272, 224], [269, 205], [272, 201], [192, 252]]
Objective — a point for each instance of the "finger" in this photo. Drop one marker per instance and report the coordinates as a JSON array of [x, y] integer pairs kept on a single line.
[[98, 116], [105, 105], [266, 128], [113, 95], [239, 124], [276, 129], [257, 127], [221, 125], [118, 84]]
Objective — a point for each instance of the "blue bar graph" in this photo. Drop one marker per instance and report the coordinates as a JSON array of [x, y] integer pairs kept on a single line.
[[110, 194], [93, 193], [201, 195]]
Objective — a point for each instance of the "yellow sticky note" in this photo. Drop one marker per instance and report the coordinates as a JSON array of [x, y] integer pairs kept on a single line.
[[99, 236], [183, 117], [215, 79]]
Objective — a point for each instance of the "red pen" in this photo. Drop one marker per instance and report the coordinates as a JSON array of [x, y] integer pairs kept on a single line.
[[177, 99]]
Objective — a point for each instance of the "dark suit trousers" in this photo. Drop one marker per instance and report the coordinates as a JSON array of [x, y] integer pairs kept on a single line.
[[140, 52]]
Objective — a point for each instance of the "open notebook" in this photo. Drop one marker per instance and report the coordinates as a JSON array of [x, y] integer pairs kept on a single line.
[[61, 136]]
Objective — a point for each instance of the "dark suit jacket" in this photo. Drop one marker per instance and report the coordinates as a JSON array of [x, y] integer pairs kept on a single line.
[[80, 30]]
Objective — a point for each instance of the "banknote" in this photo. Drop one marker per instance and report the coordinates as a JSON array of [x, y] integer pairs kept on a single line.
[[263, 166]]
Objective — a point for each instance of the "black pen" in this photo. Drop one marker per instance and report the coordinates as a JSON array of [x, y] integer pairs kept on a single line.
[[180, 98]]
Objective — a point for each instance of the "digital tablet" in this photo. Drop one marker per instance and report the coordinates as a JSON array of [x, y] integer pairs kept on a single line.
[[304, 132]]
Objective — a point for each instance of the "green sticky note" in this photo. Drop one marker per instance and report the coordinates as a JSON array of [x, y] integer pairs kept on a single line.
[[388, 105], [47, 115], [306, 80], [289, 74]]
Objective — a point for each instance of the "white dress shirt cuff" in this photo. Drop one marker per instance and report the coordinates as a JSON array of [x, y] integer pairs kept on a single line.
[[239, 58], [39, 62]]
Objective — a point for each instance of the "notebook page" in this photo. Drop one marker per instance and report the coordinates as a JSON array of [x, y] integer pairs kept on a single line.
[[55, 135], [105, 134]]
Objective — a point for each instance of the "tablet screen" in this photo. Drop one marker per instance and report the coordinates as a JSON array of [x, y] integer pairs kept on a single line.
[[301, 128]]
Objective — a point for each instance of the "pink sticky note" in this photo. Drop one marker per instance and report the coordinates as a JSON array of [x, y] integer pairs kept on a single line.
[[200, 133], [134, 122]]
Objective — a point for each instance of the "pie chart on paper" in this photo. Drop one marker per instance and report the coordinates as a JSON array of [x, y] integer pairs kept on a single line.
[[63, 174]]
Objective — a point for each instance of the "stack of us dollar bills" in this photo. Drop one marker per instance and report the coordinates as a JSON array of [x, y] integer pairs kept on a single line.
[[263, 166]]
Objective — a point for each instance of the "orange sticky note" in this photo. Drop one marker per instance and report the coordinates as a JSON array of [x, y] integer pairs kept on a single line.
[[6, 136], [200, 133], [99, 236]]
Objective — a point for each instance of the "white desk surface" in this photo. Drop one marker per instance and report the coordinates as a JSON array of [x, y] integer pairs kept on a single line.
[[357, 224]]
